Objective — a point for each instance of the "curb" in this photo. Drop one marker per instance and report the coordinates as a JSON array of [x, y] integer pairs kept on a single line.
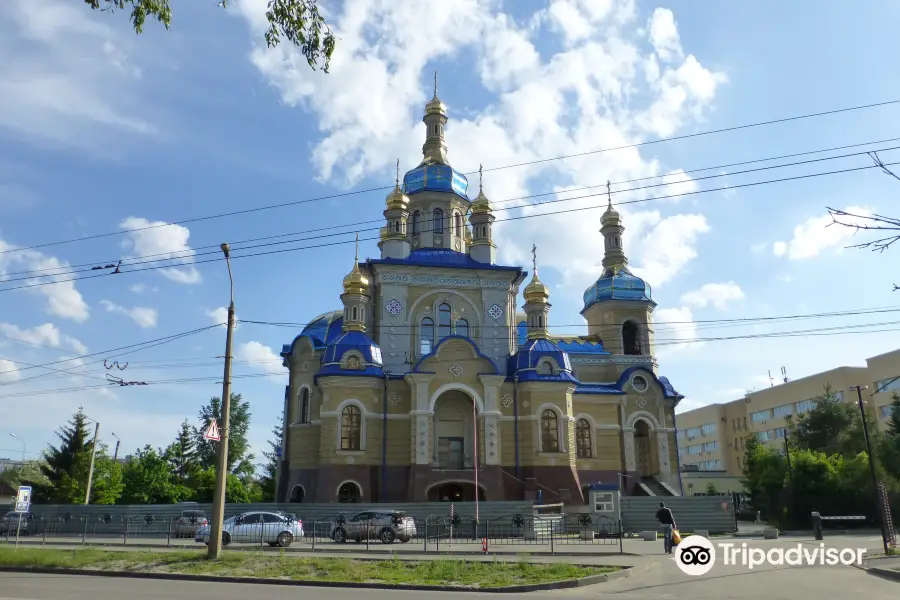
[[512, 589], [889, 574], [332, 550]]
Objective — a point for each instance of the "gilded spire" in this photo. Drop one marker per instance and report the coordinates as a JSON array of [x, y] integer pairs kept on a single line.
[[435, 85], [397, 200], [435, 149], [480, 177], [398, 173], [355, 282], [610, 214], [536, 291], [608, 193], [481, 203]]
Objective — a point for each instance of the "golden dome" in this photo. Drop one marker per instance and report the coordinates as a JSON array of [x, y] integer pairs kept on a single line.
[[481, 203], [536, 291], [355, 282], [397, 200]]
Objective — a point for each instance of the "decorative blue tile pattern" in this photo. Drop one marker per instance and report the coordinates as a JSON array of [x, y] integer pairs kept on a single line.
[[435, 178], [441, 257], [620, 285], [568, 345], [524, 363]]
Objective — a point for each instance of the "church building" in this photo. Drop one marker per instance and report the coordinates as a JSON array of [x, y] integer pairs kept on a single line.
[[430, 383]]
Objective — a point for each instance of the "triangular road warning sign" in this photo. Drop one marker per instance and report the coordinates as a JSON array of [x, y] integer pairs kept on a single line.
[[213, 432]]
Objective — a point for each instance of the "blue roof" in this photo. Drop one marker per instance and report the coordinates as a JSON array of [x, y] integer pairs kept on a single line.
[[598, 388], [320, 331], [569, 345], [470, 341], [435, 178], [525, 361], [617, 285], [442, 257], [356, 341], [663, 382]]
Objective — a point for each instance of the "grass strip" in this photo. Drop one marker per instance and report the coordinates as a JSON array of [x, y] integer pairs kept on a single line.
[[269, 565]]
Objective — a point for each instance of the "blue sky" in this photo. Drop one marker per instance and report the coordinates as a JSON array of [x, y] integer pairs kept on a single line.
[[102, 130]]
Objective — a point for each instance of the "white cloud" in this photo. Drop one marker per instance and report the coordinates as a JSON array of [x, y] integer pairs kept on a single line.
[[719, 295], [664, 34], [817, 234], [220, 316], [759, 247], [260, 357], [581, 98], [43, 335], [67, 75], [162, 242], [63, 300], [675, 331], [143, 316], [8, 371]]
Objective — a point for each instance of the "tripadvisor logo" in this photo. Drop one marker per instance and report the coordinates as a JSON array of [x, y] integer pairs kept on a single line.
[[696, 555]]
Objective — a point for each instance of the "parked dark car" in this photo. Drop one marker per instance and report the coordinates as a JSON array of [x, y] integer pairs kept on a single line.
[[9, 524]]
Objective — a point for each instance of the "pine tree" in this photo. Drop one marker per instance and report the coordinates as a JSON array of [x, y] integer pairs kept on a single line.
[[66, 464], [268, 481], [239, 461], [182, 454], [893, 425]]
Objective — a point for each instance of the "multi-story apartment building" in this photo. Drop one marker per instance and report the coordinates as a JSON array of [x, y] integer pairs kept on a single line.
[[711, 438]]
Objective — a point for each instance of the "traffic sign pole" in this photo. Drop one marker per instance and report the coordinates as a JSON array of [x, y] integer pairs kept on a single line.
[[23, 505]]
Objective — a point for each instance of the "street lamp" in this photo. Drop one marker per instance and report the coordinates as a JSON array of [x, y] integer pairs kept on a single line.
[[21, 441], [865, 424], [218, 508], [116, 452]]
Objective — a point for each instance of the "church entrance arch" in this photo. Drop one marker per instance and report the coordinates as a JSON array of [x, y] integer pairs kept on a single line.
[[454, 431], [454, 491], [642, 448]]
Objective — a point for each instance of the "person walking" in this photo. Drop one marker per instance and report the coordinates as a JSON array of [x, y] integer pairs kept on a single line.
[[667, 520]]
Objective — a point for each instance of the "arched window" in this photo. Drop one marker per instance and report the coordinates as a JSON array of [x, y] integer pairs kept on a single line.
[[426, 336], [354, 313], [549, 431], [438, 221], [349, 493], [462, 327], [415, 223], [444, 319], [459, 227], [583, 441], [545, 368], [303, 406], [631, 338], [297, 494], [351, 428]]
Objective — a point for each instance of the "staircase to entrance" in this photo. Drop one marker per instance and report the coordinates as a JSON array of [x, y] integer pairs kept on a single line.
[[652, 487]]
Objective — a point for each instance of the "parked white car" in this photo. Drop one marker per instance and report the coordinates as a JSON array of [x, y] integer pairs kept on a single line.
[[272, 528]]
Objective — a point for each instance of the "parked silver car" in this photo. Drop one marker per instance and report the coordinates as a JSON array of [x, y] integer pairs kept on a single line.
[[387, 526], [272, 528], [190, 522]]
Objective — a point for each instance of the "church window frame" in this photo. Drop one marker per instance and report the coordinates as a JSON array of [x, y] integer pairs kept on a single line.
[[302, 408], [445, 313], [546, 367], [458, 226], [551, 438], [415, 222], [584, 437], [437, 220], [351, 427], [462, 327], [632, 345], [354, 312], [426, 334]]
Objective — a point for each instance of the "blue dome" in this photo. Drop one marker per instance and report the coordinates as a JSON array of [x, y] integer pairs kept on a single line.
[[435, 178], [617, 285], [526, 360], [320, 331], [360, 344]]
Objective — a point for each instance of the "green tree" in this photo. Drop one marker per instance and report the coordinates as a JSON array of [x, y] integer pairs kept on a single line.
[[28, 474], [239, 461], [106, 484], [893, 425], [765, 470], [711, 489], [149, 479], [64, 464], [833, 426], [889, 445], [268, 481], [237, 491], [297, 21], [182, 454]]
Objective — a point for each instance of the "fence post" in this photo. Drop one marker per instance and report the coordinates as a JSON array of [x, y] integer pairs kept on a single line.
[[262, 529], [621, 537], [84, 532], [315, 525], [44, 533], [368, 529], [169, 533], [552, 549], [125, 537]]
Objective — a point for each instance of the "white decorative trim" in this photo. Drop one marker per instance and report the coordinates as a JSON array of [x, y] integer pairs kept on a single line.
[[492, 440], [435, 280], [456, 386], [642, 414], [455, 370], [337, 490], [630, 360], [629, 451], [506, 400], [422, 454], [561, 420]]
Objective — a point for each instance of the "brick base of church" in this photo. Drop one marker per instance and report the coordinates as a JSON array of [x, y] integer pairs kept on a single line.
[[401, 484]]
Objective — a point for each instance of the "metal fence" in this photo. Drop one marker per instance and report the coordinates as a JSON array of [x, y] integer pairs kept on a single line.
[[438, 533]]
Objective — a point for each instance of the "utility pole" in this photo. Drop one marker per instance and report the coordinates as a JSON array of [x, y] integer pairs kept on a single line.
[[787, 454], [87, 493], [116, 452], [865, 424], [218, 508]]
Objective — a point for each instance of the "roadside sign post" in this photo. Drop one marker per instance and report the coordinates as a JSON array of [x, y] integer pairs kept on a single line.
[[23, 505], [212, 433]]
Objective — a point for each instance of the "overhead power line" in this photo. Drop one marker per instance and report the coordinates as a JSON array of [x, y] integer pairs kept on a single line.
[[510, 166], [187, 255], [516, 218]]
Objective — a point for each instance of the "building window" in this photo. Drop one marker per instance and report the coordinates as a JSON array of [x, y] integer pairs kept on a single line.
[[549, 431], [303, 405], [545, 368], [583, 441], [695, 449], [710, 446], [709, 428], [604, 502], [353, 312], [444, 319], [415, 223], [760, 416], [631, 338], [693, 432], [886, 411], [888, 385], [462, 327], [426, 336], [783, 411], [438, 221], [806, 406], [458, 224], [349, 493], [351, 428], [764, 436]]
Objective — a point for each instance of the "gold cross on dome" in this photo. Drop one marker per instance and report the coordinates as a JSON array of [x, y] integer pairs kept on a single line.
[[534, 258], [608, 193]]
